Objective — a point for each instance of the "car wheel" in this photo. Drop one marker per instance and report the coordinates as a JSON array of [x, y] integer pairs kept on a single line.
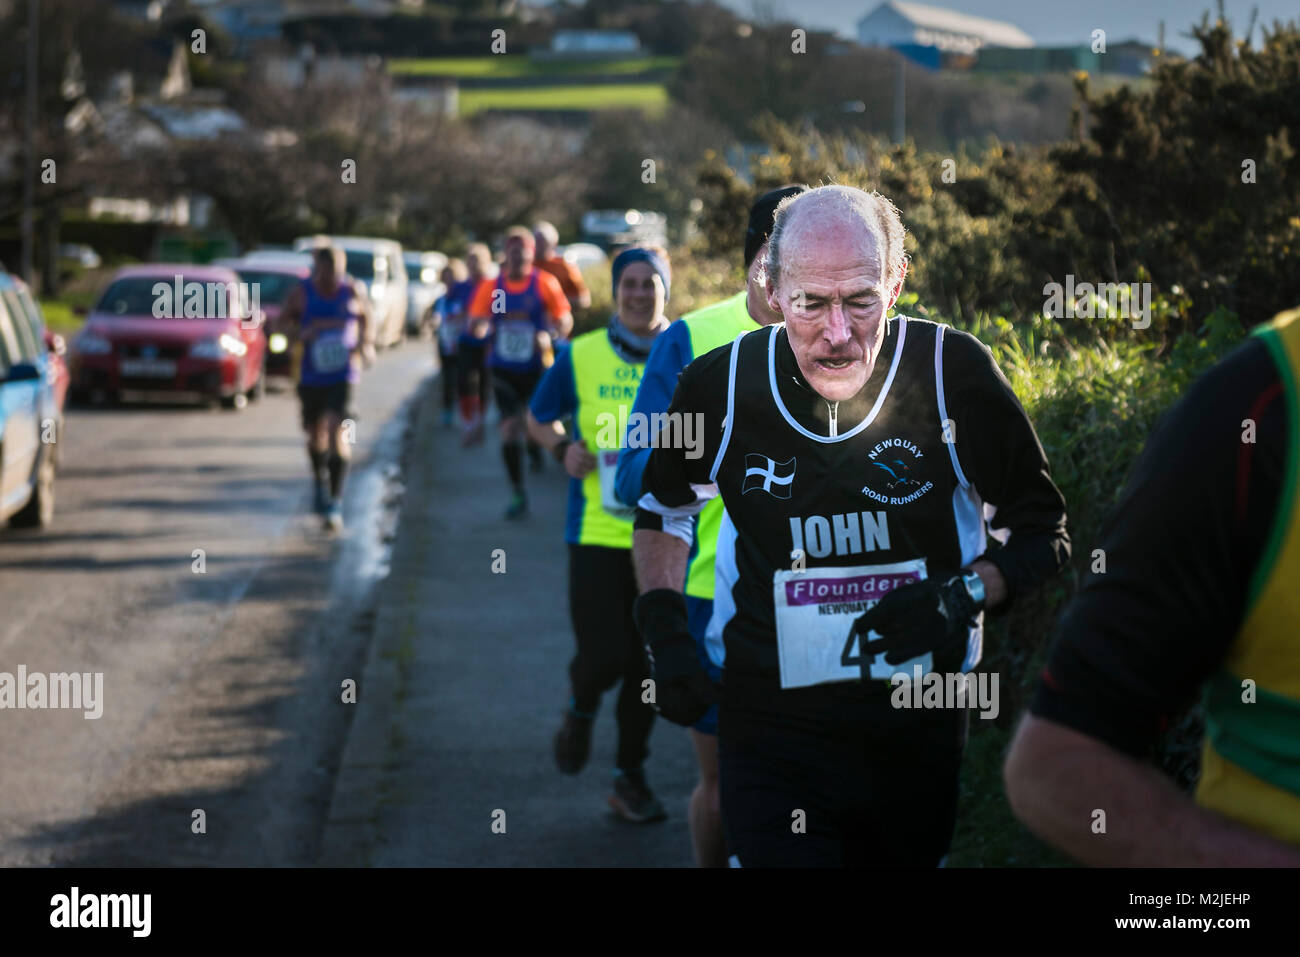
[[39, 510]]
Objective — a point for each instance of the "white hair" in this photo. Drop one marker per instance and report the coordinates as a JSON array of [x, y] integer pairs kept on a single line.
[[877, 215], [547, 231]]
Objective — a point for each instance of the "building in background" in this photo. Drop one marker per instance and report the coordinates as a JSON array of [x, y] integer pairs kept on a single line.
[[929, 35], [589, 45], [1121, 59]]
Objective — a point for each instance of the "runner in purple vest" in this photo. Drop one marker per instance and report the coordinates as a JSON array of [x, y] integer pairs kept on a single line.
[[334, 328]]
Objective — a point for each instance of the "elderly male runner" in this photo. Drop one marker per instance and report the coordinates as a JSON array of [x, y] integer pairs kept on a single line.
[[855, 455]]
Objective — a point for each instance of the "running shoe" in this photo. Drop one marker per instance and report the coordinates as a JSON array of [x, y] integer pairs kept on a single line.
[[573, 742], [633, 800], [334, 517], [518, 507]]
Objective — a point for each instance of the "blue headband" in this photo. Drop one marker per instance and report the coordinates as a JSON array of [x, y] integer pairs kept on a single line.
[[639, 254]]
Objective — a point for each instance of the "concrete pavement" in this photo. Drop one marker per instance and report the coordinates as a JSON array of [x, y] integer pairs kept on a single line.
[[462, 691]]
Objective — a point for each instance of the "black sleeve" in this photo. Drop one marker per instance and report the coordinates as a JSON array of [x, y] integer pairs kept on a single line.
[[673, 469], [1001, 456], [1179, 552]]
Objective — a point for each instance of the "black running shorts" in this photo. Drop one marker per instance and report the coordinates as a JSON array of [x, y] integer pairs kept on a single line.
[[316, 400], [512, 390], [795, 795]]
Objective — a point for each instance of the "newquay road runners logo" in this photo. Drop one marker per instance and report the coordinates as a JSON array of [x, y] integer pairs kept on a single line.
[[772, 477], [894, 473]]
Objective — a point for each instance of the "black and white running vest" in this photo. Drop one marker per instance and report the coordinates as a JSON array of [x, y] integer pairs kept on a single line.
[[819, 526]]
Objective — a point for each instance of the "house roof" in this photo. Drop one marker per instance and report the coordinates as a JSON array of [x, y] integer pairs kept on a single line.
[[195, 123], [993, 32]]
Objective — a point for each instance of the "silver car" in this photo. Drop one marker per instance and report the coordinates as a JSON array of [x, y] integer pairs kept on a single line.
[[424, 287]]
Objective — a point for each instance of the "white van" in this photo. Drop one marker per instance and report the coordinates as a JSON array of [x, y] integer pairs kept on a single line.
[[377, 265]]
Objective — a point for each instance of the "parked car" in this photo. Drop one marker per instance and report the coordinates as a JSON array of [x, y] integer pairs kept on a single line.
[[378, 266], [139, 342], [274, 277], [81, 254], [424, 287], [609, 228], [31, 409], [583, 255]]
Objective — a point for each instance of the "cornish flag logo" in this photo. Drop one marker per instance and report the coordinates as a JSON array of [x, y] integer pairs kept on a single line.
[[775, 478]]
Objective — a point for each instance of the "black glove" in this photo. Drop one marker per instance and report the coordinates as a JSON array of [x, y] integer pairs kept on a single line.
[[933, 615], [683, 691]]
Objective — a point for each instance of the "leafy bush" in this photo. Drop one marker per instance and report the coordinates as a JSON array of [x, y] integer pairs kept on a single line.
[[1152, 189]]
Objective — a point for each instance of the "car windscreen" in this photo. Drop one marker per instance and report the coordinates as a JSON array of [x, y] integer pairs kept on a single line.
[[273, 288], [415, 272], [135, 296], [361, 264]]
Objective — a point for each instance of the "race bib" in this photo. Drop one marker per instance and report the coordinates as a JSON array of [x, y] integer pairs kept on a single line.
[[516, 340], [607, 464], [815, 609], [449, 333], [329, 353]]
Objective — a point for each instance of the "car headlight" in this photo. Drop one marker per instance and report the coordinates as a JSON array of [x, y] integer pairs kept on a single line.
[[218, 348], [278, 342], [90, 344], [233, 344]]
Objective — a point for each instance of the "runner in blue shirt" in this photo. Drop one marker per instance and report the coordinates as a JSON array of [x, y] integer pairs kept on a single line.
[[333, 325]]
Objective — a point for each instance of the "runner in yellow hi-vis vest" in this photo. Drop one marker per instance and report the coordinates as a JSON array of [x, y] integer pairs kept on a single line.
[[693, 335], [594, 380], [1195, 590]]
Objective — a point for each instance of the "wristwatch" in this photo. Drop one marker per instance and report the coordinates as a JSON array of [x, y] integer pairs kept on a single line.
[[974, 587]]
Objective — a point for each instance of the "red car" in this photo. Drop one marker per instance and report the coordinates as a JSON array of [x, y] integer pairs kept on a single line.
[[175, 331]]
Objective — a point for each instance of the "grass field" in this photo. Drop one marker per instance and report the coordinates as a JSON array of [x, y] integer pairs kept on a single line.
[[59, 316], [510, 66], [651, 97]]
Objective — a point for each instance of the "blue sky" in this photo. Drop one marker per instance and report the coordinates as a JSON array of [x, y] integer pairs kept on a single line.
[[1051, 22]]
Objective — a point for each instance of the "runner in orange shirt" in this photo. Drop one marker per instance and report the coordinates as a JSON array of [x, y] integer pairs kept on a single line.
[[569, 276], [524, 311]]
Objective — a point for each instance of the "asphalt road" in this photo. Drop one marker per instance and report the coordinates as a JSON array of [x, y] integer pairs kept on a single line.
[[221, 688]]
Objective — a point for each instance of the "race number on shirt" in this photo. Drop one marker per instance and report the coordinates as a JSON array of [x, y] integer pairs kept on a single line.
[[329, 353], [607, 463], [815, 610], [449, 332], [516, 340]]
